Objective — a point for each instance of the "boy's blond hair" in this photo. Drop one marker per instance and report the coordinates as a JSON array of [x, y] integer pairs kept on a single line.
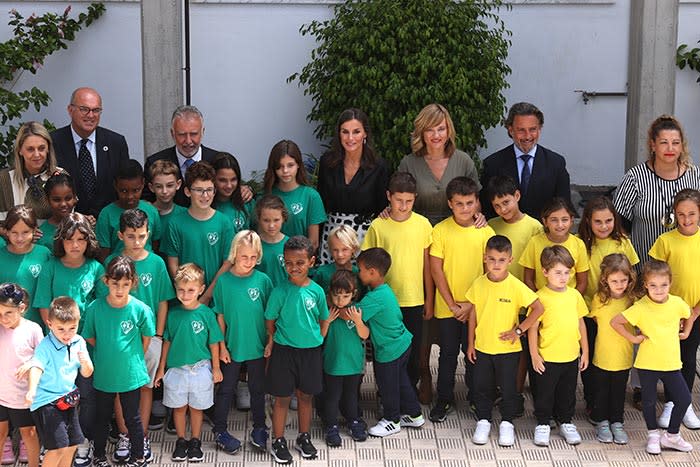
[[347, 237], [189, 272], [163, 167], [247, 238]]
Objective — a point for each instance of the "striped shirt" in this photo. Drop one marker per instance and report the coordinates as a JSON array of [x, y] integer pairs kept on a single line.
[[645, 198]]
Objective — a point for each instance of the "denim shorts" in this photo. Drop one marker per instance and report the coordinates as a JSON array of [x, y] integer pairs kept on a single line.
[[191, 385]]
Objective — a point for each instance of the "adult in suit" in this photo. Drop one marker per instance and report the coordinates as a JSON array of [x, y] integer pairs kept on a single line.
[[90, 153], [540, 172], [187, 129]]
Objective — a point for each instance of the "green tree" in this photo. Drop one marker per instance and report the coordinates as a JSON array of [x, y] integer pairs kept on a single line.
[[688, 57], [393, 57], [34, 39]]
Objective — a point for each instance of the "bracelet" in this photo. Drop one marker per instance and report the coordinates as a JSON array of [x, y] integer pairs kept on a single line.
[[158, 335]]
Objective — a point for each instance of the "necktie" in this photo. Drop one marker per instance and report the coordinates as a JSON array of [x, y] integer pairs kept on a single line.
[[187, 164], [525, 173], [87, 169]]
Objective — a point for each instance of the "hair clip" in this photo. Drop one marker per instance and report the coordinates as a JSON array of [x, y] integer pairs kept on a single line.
[[13, 293]]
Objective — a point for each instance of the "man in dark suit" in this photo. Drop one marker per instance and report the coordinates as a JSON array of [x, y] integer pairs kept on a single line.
[[187, 129], [90, 153], [540, 172]]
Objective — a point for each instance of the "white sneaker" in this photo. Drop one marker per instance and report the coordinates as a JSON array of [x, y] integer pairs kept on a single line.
[[542, 435], [665, 417], [384, 428], [570, 433], [690, 420], [506, 434], [675, 442], [412, 422], [482, 432], [653, 442], [243, 396]]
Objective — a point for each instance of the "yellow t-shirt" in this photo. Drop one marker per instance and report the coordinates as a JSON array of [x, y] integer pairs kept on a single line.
[[682, 253], [497, 305], [519, 233], [612, 351], [531, 257], [661, 350], [462, 251], [405, 242], [558, 333], [599, 250]]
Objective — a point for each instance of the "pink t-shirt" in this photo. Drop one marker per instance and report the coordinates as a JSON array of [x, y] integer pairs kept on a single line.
[[17, 346]]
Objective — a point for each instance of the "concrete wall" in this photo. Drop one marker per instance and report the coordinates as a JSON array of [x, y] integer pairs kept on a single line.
[[243, 52]]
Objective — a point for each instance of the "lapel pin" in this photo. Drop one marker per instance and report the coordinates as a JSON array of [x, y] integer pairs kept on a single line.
[[105, 148]]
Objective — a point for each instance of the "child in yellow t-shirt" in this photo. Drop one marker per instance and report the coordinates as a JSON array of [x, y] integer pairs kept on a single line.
[[406, 236], [456, 259], [611, 364], [658, 316], [555, 346], [680, 248], [494, 302]]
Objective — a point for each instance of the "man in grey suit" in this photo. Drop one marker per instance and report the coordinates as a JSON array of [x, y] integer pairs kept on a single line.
[[90, 153]]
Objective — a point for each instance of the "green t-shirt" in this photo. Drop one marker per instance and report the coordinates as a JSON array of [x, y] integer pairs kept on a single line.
[[166, 218], [205, 243], [241, 218], [344, 350], [242, 301], [108, 226], [48, 230], [118, 354], [190, 333], [323, 274], [297, 312], [272, 261], [3, 243], [381, 312], [154, 282], [25, 270], [305, 208]]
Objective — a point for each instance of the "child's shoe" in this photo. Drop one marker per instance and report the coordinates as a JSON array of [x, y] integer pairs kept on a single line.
[[690, 420], [305, 446], [100, 462], [280, 452], [333, 437], [258, 438], [482, 432], [384, 428], [506, 434], [603, 433], [83, 455], [438, 413], [407, 421], [675, 442], [358, 430], [665, 417], [570, 433], [619, 433], [194, 450], [180, 452], [227, 442], [654, 442], [8, 454], [542, 435], [147, 452], [123, 450], [243, 396], [137, 463], [23, 456]]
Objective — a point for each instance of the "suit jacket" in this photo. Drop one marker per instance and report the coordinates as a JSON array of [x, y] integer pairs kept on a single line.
[[549, 179], [111, 150], [170, 154]]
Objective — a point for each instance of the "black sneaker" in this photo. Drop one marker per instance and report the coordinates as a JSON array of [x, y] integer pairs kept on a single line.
[[155, 423], [100, 462], [438, 413], [305, 447], [194, 451], [280, 452], [180, 452], [333, 437], [358, 430]]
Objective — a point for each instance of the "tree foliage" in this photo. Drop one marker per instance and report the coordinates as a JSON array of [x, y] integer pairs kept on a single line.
[[34, 39], [688, 57], [393, 57]]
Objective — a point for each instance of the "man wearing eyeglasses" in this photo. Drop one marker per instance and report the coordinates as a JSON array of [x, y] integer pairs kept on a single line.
[[90, 153]]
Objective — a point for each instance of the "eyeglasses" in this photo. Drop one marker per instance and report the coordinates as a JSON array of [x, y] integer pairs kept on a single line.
[[203, 191], [86, 110], [12, 293]]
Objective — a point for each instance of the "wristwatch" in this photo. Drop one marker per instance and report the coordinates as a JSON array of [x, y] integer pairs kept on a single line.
[[518, 331]]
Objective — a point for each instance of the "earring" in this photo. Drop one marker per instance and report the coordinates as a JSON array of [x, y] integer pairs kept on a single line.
[[364, 140]]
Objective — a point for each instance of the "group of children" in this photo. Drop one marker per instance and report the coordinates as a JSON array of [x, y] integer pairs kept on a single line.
[[189, 298]]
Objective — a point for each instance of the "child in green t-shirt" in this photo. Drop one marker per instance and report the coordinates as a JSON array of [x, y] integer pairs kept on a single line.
[[60, 193], [296, 317], [271, 214], [165, 181], [191, 353], [229, 196]]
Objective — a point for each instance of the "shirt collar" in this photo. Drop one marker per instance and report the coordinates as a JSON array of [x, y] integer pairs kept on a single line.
[[519, 153], [57, 344], [195, 158], [77, 139]]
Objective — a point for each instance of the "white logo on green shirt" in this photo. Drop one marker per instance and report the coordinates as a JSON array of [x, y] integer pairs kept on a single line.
[[127, 326], [280, 258], [238, 223], [35, 270], [309, 303], [197, 327], [212, 238], [146, 279], [296, 208], [86, 284], [253, 293]]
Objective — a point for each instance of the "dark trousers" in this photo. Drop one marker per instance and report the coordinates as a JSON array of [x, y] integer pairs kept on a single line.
[[678, 390], [88, 407], [340, 392], [588, 376], [556, 392], [452, 339], [396, 391], [227, 390], [689, 350], [495, 370], [130, 406], [413, 320], [609, 401]]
